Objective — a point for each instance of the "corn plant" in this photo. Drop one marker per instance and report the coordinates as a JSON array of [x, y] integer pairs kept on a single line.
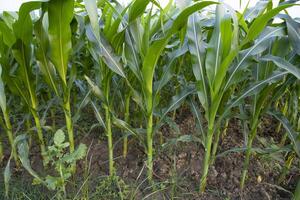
[[107, 63], [217, 70], [53, 34], [261, 100], [60, 47], [289, 121], [141, 62], [21, 83], [149, 59]]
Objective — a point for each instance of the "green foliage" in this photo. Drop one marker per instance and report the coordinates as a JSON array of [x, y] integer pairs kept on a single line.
[[133, 66], [113, 188], [56, 156], [61, 161]]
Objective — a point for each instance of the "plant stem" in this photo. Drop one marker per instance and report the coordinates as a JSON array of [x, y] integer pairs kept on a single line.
[[108, 130], [248, 155], [216, 141], [40, 133], [63, 181], [206, 163], [69, 124], [149, 146], [215, 147], [125, 142], [110, 143], [10, 136]]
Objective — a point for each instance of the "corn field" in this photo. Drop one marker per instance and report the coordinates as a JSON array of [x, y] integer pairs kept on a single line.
[[95, 95]]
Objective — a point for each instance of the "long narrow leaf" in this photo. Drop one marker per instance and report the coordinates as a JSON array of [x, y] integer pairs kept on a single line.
[[60, 14]]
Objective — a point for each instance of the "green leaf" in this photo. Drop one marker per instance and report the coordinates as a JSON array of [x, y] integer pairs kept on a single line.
[[125, 126], [131, 56], [198, 116], [23, 151], [91, 7], [251, 51], [177, 100], [230, 48], [8, 35], [106, 52], [168, 71], [253, 12], [23, 26], [78, 154], [103, 48], [41, 51], [261, 21], [182, 18], [95, 89], [254, 89], [52, 182], [60, 14], [59, 137], [292, 134], [195, 44], [281, 63], [23, 83], [219, 44], [98, 116], [137, 9], [293, 28], [155, 50]]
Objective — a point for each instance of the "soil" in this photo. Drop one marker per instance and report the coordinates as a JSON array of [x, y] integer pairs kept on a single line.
[[178, 167]]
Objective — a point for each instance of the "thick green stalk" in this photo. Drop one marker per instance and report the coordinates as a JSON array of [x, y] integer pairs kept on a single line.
[[150, 146], [69, 124], [215, 147], [10, 136], [125, 141], [40, 133], [206, 163], [248, 154], [108, 130], [149, 132], [63, 187], [216, 141], [110, 142], [208, 142]]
